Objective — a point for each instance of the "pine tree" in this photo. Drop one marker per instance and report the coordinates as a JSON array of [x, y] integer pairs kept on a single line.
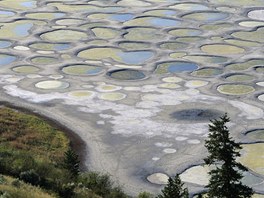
[[174, 189], [72, 163], [225, 177]]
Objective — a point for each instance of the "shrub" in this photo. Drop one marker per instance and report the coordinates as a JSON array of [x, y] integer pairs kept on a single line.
[[30, 176]]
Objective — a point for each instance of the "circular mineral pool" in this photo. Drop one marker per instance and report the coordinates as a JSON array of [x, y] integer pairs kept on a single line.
[[143, 34], [257, 135], [5, 44], [207, 72], [105, 33], [50, 46], [81, 94], [82, 70], [27, 69], [242, 43], [129, 57], [169, 85], [43, 60], [153, 21], [190, 7], [175, 67], [134, 45], [239, 78], [205, 59], [196, 174], [69, 22], [222, 49], [172, 79], [6, 59], [253, 157], [113, 96], [52, 84], [64, 36], [245, 65], [260, 69], [196, 114], [6, 14], [108, 88], [126, 74], [158, 178], [195, 83], [256, 14], [45, 15], [261, 97], [256, 35], [260, 83], [207, 16], [251, 24], [235, 89], [173, 45], [185, 32]]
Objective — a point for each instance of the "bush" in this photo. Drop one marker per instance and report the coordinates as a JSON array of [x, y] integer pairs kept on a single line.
[[145, 195], [30, 176], [101, 184]]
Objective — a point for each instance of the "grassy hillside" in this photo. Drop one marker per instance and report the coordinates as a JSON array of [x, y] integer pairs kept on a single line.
[[34, 152]]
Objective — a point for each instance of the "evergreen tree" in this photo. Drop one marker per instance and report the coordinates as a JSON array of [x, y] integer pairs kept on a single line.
[[72, 162], [225, 177], [174, 189]]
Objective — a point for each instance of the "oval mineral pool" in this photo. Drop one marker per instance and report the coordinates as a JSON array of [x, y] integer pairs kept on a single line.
[[196, 174], [253, 157], [50, 46], [143, 34], [222, 49], [256, 14], [171, 45], [260, 69], [121, 17], [197, 115], [245, 65], [261, 97], [242, 43], [256, 135], [113, 96], [206, 59], [81, 94], [190, 7], [26, 69], [64, 36], [5, 14], [239, 78], [158, 178], [185, 32], [207, 16], [153, 21], [126, 74], [251, 24], [105, 33], [42, 60], [5, 44], [52, 84], [82, 70], [6, 59], [207, 72], [45, 15], [129, 57], [134, 45], [69, 22], [175, 67], [235, 89], [161, 13], [255, 35]]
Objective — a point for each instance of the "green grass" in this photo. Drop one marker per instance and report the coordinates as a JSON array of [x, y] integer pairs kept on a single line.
[[34, 151]]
